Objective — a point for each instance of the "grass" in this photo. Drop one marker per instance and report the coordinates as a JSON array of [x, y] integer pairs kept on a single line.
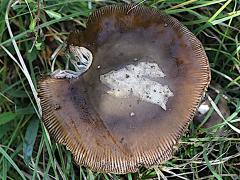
[[32, 31]]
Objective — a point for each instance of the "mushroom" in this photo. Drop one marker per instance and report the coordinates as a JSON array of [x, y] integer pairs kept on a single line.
[[140, 75]]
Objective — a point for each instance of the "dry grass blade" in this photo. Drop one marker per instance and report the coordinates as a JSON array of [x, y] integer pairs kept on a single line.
[[220, 114], [21, 62]]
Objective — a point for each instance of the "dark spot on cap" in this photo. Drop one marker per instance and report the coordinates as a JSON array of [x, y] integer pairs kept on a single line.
[[57, 106]]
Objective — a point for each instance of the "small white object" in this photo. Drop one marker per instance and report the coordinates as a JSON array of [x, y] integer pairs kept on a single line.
[[203, 108], [138, 80], [98, 66], [132, 114]]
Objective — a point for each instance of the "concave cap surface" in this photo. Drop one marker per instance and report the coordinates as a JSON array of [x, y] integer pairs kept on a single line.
[[130, 108]]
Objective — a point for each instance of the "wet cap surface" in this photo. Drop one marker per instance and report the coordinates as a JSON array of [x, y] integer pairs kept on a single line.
[[135, 101]]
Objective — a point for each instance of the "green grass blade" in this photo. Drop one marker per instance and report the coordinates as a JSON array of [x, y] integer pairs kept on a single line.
[[10, 160]]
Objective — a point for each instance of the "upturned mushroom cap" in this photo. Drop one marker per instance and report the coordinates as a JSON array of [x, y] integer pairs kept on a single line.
[[130, 108]]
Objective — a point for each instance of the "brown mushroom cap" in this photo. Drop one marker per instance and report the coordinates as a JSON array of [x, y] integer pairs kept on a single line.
[[108, 132]]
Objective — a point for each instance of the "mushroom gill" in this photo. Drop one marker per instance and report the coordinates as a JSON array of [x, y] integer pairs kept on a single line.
[[142, 89]]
